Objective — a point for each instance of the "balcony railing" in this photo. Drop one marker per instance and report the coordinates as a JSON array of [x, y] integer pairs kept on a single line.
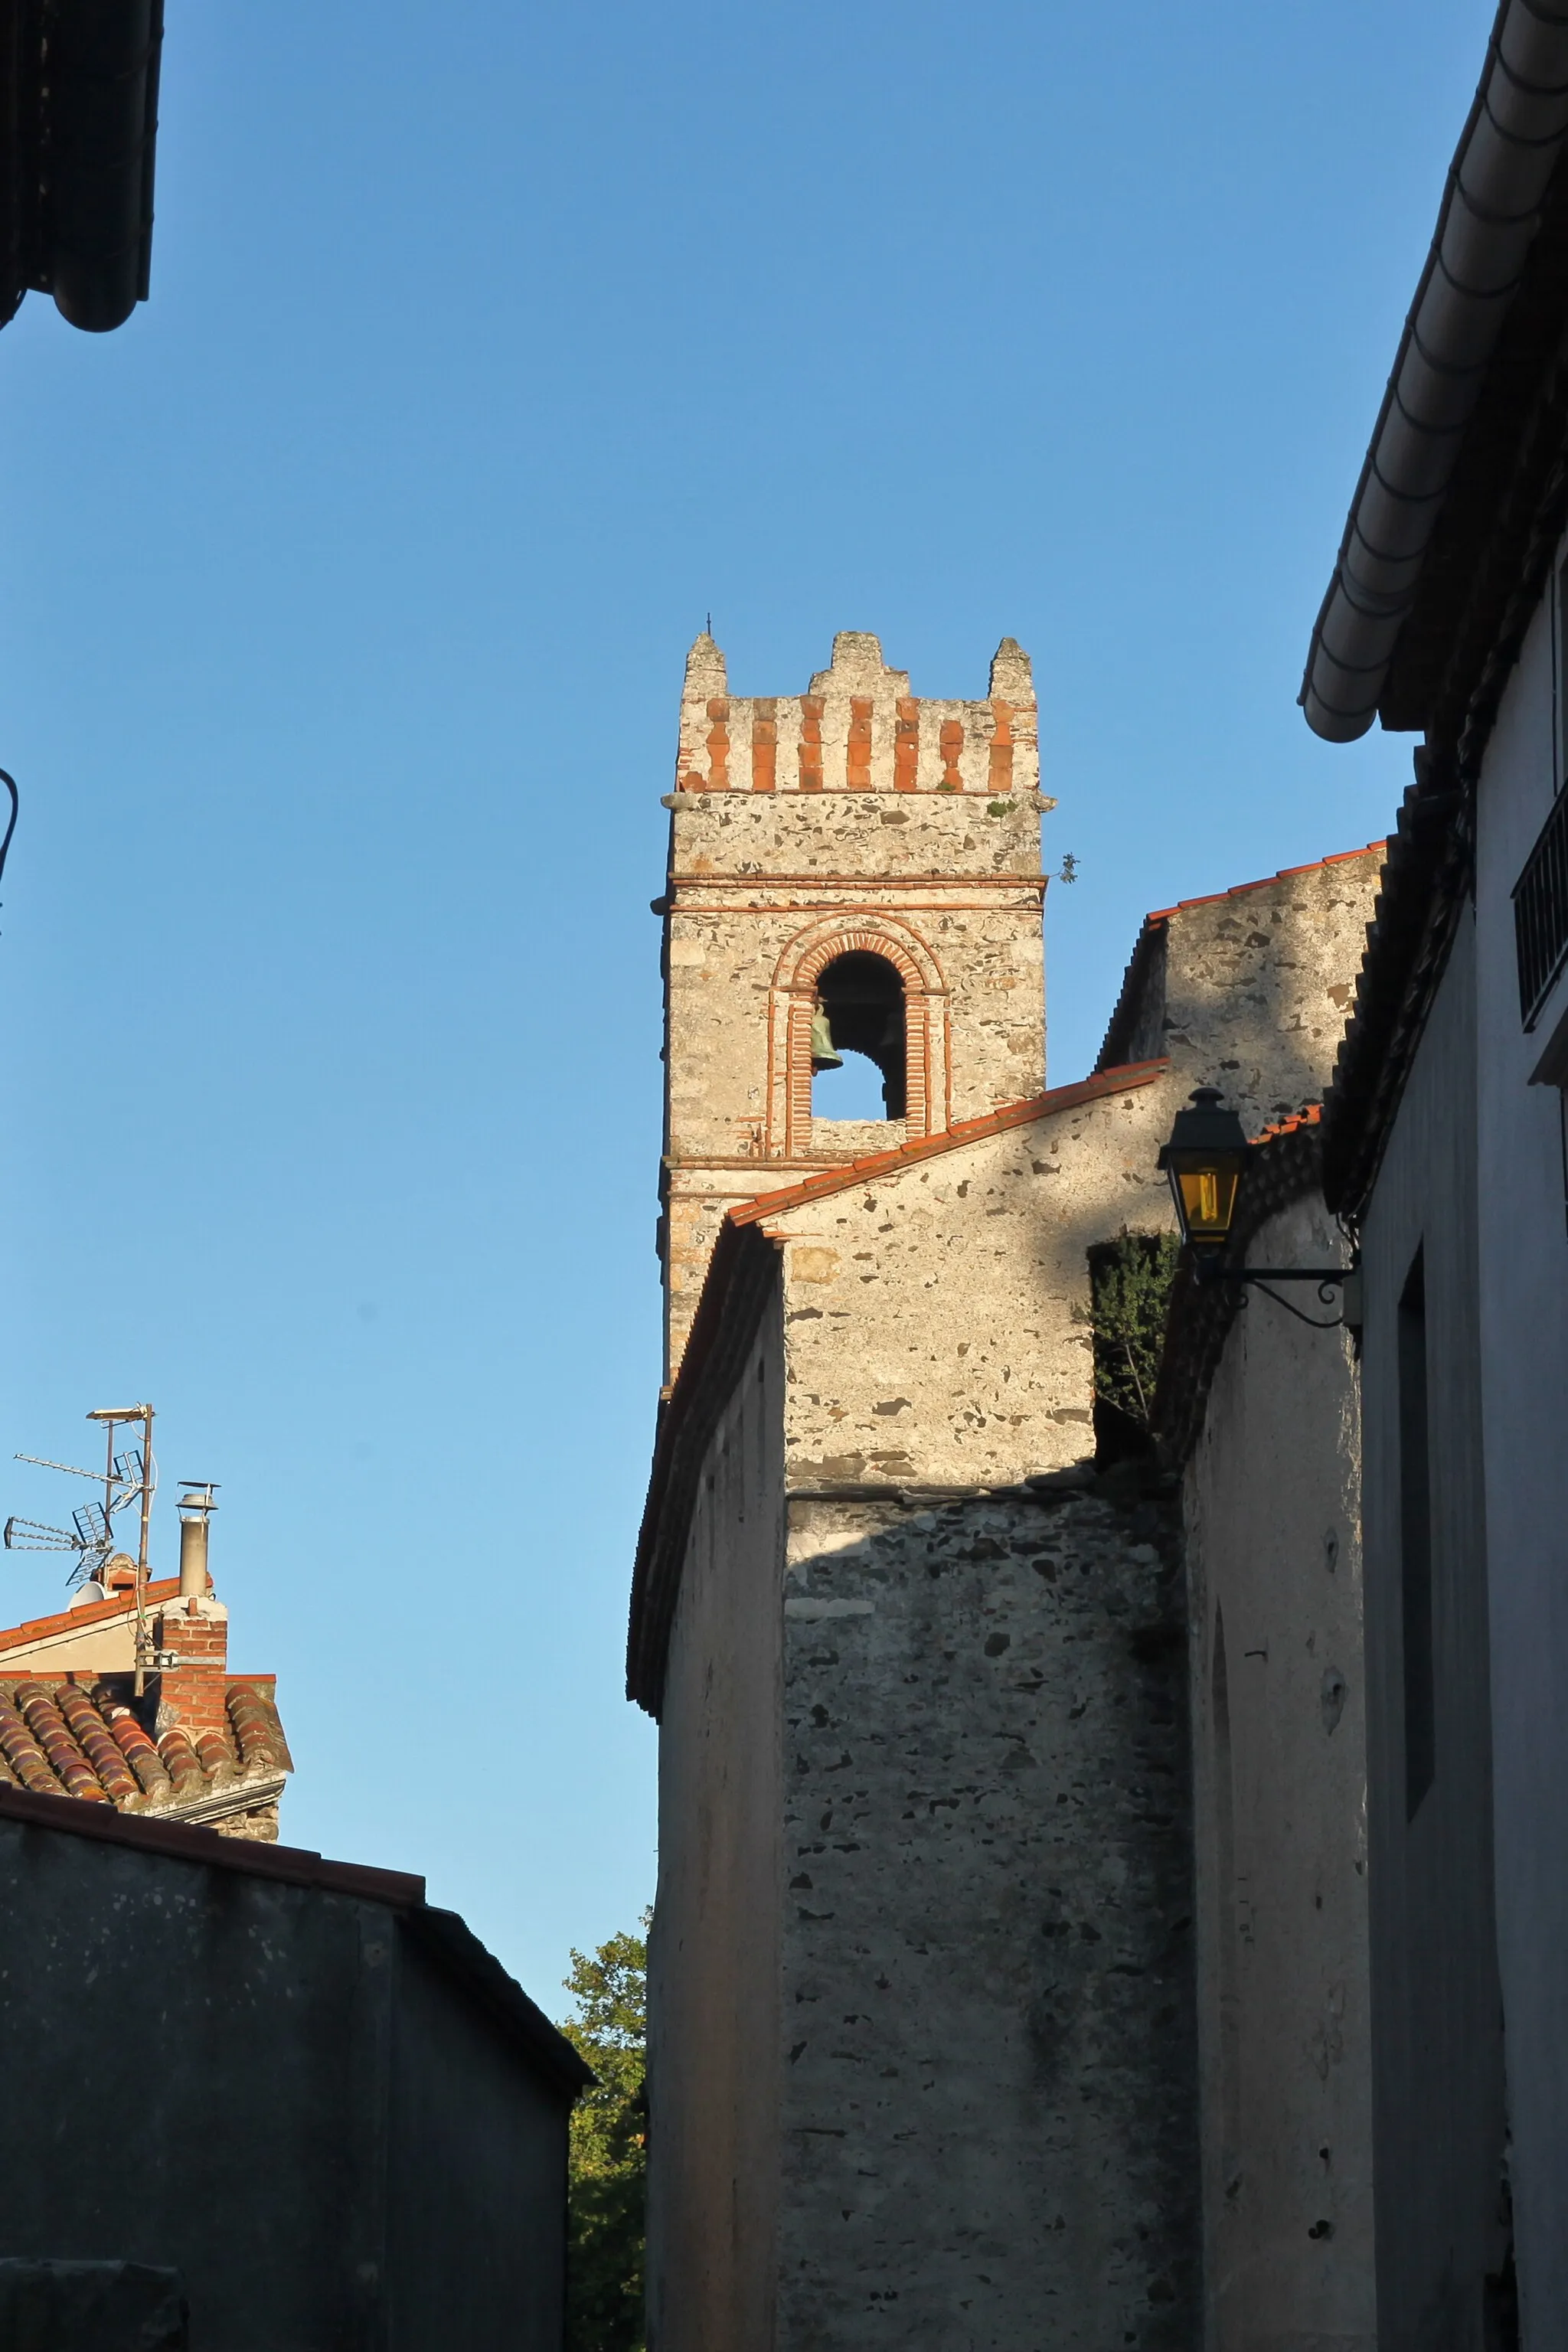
[[1541, 914]]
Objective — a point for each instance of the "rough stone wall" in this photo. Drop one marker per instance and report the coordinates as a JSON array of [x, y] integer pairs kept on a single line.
[[259, 1825], [1272, 1504], [1249, 990], [937, 1315], [988, 2061], [914, 835]]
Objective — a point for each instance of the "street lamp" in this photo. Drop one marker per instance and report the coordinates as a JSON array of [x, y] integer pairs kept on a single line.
[[1205, 1160]]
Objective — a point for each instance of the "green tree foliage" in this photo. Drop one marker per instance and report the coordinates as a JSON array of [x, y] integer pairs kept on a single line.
[[606, 2194], [1130, 1293]]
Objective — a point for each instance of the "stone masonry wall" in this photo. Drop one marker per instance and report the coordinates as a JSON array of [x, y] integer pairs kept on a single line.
[[988, 2065], [937, 1314], [913, 833], [1248, 991]]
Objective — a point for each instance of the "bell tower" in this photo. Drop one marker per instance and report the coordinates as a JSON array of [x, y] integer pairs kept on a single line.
[[855, 870]]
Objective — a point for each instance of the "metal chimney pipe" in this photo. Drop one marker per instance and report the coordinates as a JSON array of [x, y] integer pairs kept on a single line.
[[196, 1509]]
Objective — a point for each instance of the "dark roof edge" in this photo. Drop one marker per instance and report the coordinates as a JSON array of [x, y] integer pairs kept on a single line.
[[1486, 223], [442, 1933], [1129, 1002], [1281, 1169], [179, 1842], [1425, 879], [740, 1277], [453, 1944]]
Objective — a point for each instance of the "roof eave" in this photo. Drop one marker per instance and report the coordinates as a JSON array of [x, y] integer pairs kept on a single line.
[[1508, 151]]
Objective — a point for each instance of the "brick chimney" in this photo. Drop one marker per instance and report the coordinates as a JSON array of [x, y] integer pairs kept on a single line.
[[192, 1632]]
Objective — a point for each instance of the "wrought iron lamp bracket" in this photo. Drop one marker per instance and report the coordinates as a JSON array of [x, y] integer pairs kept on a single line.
[[1346, 1279]]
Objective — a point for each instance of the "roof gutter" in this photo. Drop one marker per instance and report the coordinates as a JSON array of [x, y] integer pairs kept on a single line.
[[1506, 155]]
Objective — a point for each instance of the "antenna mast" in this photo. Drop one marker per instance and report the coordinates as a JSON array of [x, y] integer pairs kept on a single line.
[[143, 1413]]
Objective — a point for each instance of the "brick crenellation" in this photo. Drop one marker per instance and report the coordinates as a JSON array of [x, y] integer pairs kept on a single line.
[[858, 729]]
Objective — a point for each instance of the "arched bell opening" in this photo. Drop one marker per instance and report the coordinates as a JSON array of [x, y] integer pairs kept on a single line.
[[859, 1017]]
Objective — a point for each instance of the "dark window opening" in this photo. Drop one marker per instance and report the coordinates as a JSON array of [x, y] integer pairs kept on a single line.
[[1541, 914], [859, 1011], [1416, 1540]]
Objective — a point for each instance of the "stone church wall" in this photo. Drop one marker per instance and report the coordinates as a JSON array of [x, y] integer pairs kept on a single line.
[[937, 1315], [988, 2057]]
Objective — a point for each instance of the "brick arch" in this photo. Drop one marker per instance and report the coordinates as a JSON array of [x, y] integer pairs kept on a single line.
[[792, 999]]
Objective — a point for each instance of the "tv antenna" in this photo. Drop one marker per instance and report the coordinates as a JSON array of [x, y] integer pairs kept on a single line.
[[129, 1477]]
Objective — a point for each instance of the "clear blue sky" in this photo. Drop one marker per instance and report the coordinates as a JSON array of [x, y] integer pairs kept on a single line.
[[343, 606]]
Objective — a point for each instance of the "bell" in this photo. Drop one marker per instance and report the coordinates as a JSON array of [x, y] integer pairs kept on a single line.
[[823, 1056]]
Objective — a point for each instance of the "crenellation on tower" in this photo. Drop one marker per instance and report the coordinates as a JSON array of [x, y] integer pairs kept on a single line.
[[857, 728], [853, 838]]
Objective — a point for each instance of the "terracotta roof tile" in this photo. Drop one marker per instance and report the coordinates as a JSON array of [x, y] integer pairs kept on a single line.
[[1309, 1115], [1267, 881], [72, 1620], [87, 1737]]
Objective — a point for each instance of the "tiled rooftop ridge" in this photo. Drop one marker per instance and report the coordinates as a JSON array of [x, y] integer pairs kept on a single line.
[[1309, 1115], [72, 1620], [1154, 930], [928, 1147], [1267, 881], [85, 1736], [858, 729]]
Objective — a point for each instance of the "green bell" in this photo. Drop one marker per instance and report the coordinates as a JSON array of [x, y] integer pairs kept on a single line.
[[823, 1056]]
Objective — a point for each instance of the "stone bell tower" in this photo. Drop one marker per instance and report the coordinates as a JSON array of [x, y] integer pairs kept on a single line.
[[861, 861]]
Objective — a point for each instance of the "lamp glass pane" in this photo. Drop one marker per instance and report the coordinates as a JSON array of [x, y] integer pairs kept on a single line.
[[1208, 1199]]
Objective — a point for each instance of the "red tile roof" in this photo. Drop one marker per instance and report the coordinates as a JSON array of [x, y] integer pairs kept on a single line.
[[930, 1146], [85, 1736], [1309, 1115], [1286, 874], [72, 1620]]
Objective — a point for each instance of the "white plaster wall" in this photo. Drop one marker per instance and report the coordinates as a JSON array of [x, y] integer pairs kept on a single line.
[[1437, 2043], [714, 1953], [1523, 1258], [1272, 1504]]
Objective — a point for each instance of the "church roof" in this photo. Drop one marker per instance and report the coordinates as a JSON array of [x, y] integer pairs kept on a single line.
[[735, 1292], [952, 1138]]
